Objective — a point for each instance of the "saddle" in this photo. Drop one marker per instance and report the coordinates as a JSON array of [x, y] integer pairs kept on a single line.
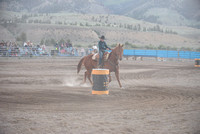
[[105, 56]]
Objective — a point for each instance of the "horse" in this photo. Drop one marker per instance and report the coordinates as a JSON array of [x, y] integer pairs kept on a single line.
[[112, 63]]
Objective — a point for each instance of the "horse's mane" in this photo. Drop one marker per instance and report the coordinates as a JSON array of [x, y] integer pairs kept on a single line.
[[112, 52]]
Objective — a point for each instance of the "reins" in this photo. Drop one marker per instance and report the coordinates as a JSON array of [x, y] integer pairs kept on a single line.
[[111, 62]]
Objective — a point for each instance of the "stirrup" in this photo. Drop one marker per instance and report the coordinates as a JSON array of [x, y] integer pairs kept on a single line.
[[100, 66]]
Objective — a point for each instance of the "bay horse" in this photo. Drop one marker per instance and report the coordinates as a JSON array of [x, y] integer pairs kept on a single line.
[[112, 63]]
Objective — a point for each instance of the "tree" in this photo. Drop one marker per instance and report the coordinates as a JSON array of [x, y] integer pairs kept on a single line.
[[149, 46], [30, 21], [161, 47], [42, 42], [24, 17], [62, 41], [68, 41], [81, 24], [78, 45], [144, 29], [22, 37], [93, 18], [129, 26], [113, 45], [198, 49], [36, 21], [134, 46], [47, 42], [120, 25], [135, 28], [53, 42], [186, 49], [158, 28], [139, 27], [174, 48], [127, 44], [89, 46]]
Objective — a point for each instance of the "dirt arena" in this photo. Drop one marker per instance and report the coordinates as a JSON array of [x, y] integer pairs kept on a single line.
[[44, 96]]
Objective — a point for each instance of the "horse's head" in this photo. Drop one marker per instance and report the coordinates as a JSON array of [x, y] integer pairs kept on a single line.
[[119, 51]]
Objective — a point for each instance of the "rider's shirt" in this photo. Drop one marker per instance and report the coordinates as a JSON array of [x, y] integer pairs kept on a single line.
[[102, 46]]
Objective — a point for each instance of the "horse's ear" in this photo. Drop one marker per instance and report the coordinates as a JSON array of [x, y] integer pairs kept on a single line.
[[121, 45]]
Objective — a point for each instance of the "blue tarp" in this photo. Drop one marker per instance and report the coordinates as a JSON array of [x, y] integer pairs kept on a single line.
[[163, 53]]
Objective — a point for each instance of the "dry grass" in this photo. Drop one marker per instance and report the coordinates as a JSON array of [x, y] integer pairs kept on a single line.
[[88, 35]]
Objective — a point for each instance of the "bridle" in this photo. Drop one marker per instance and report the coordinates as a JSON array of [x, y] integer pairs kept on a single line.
[[116, 56]]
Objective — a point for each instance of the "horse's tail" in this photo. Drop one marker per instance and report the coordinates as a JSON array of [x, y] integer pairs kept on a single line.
[[80, 64]]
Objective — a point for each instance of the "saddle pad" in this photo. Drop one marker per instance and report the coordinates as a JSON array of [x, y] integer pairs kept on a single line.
[[94, 56], [105, 57]]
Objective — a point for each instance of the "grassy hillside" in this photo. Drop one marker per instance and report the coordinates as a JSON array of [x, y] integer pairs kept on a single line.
[[84, 29], [52, 6], [113, 2], [170, 12]]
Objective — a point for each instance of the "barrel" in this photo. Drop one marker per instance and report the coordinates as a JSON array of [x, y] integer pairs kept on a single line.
[[197, 63], [100, 79]]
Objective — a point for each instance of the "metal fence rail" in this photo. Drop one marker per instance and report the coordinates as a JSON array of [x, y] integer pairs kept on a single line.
[[26, 51]]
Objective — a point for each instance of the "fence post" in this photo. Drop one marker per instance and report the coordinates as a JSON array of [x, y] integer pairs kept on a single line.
[[167, 53], [178, 55]]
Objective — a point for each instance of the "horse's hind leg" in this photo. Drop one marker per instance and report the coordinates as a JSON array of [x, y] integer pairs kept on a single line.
[[89, 77]]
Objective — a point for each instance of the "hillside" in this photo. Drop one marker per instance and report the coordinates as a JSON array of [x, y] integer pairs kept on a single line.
[[84, 29], [53, 6], [170, 12]]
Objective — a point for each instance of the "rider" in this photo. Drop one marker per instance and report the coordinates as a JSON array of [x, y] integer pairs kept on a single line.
[[102, 47]]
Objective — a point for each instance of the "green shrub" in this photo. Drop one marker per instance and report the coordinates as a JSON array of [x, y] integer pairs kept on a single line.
[[22, 37], [62, 41], [42, 42], [77, 45], [89, 46], [162, 47], [186, 49], [198, 49], [113, 45], [128, 45], [150, 47]]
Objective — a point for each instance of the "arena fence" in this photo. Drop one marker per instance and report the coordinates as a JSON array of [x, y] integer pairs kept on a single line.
[[27, 52], [162, 54]]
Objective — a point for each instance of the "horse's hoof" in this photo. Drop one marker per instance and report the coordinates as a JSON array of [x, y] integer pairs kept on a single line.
[[122, 87]]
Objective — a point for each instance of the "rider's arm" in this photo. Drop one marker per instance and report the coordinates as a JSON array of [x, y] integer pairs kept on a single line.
[[107, 46]]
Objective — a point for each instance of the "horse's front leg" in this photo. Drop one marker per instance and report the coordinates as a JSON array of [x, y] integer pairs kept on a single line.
[[117, 76], [85, 75], [110, 78]]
